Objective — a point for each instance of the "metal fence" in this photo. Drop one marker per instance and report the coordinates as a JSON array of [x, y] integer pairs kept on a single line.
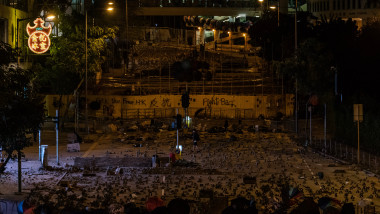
[[346, 153]]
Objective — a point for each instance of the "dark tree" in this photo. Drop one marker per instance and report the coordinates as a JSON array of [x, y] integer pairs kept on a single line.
[[21, 108]]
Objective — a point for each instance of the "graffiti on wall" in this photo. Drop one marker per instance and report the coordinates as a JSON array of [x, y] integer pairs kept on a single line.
[[115, 106], [218, 101]]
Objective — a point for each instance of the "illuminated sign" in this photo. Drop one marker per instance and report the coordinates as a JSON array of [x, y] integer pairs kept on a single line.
[[39, 41]]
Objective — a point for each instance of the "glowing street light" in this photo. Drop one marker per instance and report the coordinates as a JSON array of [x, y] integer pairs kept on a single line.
[[245, 41], [51, 17], [278, 12], [261, 4]]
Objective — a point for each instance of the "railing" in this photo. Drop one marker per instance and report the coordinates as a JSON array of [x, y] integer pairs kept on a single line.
[[346, 153]]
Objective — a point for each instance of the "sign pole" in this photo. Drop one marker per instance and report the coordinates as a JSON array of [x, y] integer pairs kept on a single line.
[[39, 145], [177, 133], [56, 134], [325, 127], [358, 144], [310, 125], [358, 117]]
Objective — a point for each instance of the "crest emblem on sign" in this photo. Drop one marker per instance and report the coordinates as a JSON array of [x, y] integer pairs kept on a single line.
[[39, 41]]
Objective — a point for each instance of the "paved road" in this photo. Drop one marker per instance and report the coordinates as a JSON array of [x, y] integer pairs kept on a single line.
[[271, 158]]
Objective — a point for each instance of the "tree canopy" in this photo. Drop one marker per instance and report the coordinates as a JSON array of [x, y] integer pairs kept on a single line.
[[338, 63], [65, 67], [21, 108]]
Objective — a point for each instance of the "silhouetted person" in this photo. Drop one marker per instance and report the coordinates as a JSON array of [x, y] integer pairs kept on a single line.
[[226, 125], [195, 139], [348, 208], [178, 206]]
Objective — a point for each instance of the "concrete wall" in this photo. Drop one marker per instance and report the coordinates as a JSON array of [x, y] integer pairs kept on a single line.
[[219, 106], [11, 15]]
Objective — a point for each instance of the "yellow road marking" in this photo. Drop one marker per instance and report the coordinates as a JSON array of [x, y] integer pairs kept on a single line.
[[90, 149]]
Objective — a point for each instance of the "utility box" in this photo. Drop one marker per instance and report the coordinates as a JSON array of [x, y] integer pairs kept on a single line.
[[44, 156]]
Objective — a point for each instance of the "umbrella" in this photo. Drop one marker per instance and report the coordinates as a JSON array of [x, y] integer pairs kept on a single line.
[[154, 202], [293, 191], [364, 202], [326, 202], [296, 199], [307, 206]]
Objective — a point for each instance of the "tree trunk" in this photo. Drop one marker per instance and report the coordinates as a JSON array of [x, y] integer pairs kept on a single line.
[[2, 167], [19, 170]]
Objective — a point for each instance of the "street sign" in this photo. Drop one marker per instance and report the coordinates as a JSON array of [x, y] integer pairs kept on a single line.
[[358, 112], [39, 41]]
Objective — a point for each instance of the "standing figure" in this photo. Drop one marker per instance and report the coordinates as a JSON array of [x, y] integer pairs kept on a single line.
[[195, 139], [226, 125]]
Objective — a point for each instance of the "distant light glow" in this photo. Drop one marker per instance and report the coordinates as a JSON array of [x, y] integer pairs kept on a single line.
[[50, 17], [110, 3], [39, 41], [110, 9], [272, 7]]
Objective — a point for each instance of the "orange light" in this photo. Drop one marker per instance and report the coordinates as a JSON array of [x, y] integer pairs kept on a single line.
[[228, 32], [244, 34], [110, 9], [110, 3], [50, 17]]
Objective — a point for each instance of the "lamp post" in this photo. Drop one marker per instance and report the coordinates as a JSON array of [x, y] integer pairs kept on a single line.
[[295, 50], [86, 110], [245, 42], [86, 69], [261, 4], [278, 12]]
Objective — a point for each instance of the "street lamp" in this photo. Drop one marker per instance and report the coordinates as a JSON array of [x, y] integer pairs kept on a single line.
[[245, 41], [86, 71], [261, 4], [278, 12], [51, 17], [86, 113]]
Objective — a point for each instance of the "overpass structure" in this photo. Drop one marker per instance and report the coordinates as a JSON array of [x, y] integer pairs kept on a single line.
[[250, 8]]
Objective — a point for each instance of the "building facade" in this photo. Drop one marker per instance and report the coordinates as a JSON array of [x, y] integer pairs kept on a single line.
[[358, 10], [12, 15]]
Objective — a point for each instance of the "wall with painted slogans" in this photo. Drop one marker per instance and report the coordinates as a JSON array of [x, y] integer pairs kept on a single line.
[[219, 106]]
